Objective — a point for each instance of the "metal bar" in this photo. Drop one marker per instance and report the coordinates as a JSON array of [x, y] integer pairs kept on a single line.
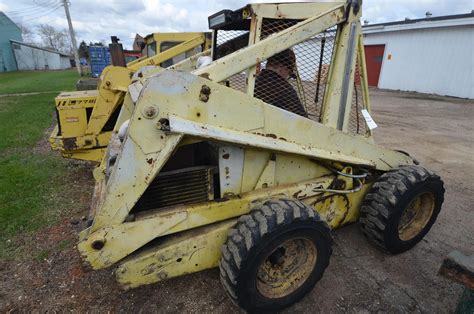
[[347, 77], [255, 28], [460, 268], [181, 126], [363, 74], [357, 106], [320, 70], [244, 58], [214, 43], [170, 53]]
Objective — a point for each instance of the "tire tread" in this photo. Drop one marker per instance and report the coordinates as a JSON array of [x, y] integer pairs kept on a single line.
[[381, 201]]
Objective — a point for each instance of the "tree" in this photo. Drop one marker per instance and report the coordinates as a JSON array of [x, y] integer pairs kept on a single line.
[[27, 34], [98, 43], [83, 50], [55, 39]]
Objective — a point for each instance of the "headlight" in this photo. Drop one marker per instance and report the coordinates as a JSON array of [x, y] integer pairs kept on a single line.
[[219, 19]]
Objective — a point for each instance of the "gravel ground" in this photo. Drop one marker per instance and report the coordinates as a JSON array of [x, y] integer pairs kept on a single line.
[[438, 131]]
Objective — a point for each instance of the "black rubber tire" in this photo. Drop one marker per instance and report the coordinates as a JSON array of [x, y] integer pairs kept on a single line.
[[259, 233], [383, 206]]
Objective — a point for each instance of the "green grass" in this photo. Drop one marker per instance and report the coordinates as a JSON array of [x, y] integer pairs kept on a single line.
[[23, 119], [27, 191], [37, 81], [32, 179]]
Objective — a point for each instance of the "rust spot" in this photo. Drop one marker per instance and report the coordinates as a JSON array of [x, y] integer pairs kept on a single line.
[[150, 161], [226, 156], [205, 92], [69, 143], [271, 135], [205, 75], [283, 139]]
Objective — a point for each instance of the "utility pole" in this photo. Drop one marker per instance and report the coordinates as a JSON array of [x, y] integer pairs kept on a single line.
[[73, 37]]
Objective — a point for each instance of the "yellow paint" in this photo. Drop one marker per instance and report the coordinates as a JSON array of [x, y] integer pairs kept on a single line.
[[190, 251], [83, 115], [197, 215], [255, 162], [285, 155]]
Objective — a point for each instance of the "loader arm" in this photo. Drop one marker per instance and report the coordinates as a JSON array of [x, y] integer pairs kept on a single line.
[[116, 82], [157, 59]]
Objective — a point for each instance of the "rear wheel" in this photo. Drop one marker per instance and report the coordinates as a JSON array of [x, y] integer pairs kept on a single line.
[[275, 255], [401, 208]]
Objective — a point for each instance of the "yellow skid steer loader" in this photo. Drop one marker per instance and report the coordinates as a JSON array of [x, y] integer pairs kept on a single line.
[[86, 118], [247, 163]]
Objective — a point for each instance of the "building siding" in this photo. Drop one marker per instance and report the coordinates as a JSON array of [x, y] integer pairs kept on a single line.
[[33, 58], [432, 60], [8, 31]]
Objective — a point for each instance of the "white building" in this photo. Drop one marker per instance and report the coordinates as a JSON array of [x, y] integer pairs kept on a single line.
[[29, 57], [433, 55]]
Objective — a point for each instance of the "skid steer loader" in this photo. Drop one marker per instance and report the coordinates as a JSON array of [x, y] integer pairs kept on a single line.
[[249, 162], [86, 118]]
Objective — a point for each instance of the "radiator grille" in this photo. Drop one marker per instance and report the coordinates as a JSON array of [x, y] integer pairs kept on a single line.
[[184, 186]]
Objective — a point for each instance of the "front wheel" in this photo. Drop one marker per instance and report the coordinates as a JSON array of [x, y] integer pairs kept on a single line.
[[401, 208], [275, 255]]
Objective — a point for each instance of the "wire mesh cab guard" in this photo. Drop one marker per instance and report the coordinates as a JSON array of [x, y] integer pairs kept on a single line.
[[303, 91]]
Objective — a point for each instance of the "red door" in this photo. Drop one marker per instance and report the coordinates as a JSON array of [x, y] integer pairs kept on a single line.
[[374, 59]]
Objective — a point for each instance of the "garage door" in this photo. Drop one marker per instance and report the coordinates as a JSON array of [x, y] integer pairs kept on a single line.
[[374, 59]]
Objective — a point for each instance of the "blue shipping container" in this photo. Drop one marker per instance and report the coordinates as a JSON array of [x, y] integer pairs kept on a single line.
[[100, 58]]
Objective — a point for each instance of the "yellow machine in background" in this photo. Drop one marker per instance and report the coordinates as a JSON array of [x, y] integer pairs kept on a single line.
[[248, 162], [87, 118]]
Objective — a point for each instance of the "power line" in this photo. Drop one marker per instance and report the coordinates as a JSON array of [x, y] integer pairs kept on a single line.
[[30, 7], [31, 11], [45, 14], [26, 12], [47, 3]]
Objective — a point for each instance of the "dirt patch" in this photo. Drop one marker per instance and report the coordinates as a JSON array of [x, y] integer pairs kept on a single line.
[[359, 278], [43, 146]]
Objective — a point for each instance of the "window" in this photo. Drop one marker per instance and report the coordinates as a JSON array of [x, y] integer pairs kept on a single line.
[[170, 44], [151, 50]]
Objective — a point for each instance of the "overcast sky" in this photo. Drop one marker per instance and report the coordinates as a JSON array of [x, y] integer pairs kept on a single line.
[[96, 20]]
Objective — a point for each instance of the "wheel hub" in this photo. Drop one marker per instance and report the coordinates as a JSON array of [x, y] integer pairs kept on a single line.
[[416, 216], [286, 268]]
